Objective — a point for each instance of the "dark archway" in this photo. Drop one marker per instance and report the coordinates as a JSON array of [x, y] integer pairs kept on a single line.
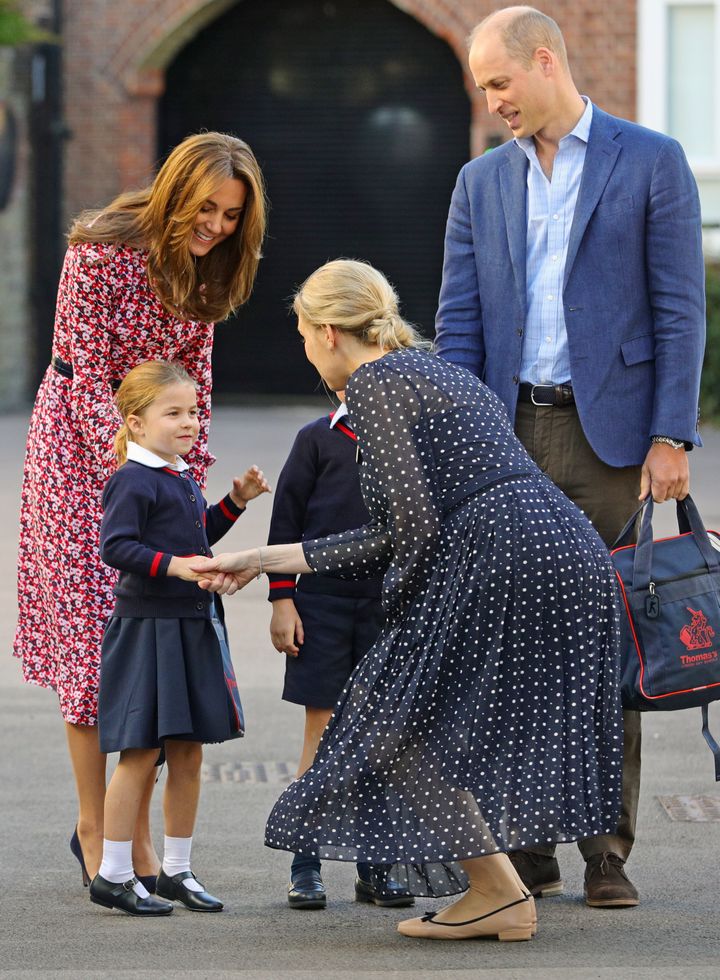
[[360, 120]]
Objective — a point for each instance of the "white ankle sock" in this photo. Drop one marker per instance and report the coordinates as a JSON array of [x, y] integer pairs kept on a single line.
[[177, 858], [117, 865]]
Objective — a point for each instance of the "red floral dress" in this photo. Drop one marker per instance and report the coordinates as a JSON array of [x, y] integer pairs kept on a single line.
[[108, 320]]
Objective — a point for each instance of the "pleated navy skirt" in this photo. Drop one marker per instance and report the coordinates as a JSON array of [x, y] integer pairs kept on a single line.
[[166, 678]]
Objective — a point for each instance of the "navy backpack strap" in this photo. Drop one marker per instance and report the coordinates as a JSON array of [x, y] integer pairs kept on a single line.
[[714, 747]]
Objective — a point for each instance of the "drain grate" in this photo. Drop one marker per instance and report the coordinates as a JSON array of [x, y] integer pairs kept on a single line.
[[277, 773], [697, 809]]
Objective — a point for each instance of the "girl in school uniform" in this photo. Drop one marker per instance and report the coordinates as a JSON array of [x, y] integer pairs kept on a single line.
[[325, 625], [166, 679]]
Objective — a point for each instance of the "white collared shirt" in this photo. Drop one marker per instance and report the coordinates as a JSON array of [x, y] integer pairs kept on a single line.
[[138, 454], [340, 412]]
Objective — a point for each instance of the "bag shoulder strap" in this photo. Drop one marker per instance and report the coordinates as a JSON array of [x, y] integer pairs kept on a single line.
[[714, 747]]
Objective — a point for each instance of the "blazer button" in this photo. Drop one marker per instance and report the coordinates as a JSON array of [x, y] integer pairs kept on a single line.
[[198, 524], [516, 379], [192, 497], [519, 331], [200, 606]]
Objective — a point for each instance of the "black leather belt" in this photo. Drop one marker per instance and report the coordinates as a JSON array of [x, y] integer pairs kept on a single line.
[[66, 370], [558, 395]]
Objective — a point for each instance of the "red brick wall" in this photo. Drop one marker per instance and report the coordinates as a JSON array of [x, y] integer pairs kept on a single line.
[[115, 53]]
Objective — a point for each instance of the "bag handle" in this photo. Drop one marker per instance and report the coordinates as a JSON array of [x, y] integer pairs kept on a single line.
[[714, 747], [624, 537], [695, 523], [688, 517]]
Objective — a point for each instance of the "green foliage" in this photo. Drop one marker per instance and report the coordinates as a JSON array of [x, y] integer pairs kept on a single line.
[[16, 29], [710, 385]]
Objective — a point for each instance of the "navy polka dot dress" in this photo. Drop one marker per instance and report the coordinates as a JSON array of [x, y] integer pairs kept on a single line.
[[487, 716]]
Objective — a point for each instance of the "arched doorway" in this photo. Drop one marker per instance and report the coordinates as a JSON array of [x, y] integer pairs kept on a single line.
[[360, 120]]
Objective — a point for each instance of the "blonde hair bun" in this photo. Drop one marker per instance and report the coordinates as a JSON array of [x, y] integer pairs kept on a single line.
[[356, 298]]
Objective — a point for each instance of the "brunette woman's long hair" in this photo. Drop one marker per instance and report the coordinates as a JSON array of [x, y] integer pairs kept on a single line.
[[160, 219]]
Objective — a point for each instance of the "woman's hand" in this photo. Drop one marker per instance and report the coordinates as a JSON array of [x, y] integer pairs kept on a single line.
[[226, 574], [249, 486], [286, 628]]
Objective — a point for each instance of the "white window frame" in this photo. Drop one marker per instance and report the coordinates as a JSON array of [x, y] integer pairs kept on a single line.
[[652, 62]]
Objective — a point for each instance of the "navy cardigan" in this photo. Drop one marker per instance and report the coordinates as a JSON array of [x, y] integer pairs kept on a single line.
[[151, 515], [318, 493]]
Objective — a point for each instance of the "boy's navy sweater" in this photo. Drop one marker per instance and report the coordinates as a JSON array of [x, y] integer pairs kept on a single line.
[[318, 493], [149, 516]]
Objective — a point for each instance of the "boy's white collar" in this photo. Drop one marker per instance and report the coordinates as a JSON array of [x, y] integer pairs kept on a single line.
[[339, 413], [138, 454]]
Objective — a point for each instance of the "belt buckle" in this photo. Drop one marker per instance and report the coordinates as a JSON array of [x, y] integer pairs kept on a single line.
[[539, 404]]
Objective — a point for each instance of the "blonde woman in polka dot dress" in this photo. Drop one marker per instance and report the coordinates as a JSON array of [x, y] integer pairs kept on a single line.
[[486, 718]]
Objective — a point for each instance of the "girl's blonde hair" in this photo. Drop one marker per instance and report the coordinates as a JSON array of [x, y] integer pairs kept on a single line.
[[139, 389], [355, 298], [161, 218]]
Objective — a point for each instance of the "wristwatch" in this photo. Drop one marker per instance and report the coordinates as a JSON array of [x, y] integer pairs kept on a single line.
[[675, 443]]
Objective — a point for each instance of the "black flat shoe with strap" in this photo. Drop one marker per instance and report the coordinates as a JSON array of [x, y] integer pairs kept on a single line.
[[122, 896], [175, 889]]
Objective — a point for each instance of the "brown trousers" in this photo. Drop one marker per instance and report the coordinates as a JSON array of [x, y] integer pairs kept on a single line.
[[608, 496]]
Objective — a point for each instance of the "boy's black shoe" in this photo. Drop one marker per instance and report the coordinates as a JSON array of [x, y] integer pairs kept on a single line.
[[373, 886], [306, 890]]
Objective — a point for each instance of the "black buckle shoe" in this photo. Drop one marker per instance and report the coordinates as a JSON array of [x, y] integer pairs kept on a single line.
[[379, 889], [174, 890], [306, 890], [540, 873], [122, 896]]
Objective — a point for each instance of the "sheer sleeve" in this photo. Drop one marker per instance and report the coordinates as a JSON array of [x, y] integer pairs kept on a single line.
[[397, 476]]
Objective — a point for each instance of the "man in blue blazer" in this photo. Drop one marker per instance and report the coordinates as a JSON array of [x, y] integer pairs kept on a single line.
[[573, 285]]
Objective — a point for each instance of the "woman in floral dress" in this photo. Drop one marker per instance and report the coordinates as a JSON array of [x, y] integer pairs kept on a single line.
[[145, 278]]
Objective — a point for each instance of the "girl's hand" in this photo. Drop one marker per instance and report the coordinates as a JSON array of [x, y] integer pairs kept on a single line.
[[226, 574], [249, 486], [286, 628], [180, 568]]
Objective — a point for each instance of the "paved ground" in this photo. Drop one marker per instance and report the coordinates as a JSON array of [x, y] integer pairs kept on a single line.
[[48, 925]]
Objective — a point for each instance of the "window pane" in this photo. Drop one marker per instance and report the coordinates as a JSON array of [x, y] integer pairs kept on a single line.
[[691, 78]]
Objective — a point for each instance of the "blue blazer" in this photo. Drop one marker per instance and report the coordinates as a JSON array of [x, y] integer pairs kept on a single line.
[[633, 293]]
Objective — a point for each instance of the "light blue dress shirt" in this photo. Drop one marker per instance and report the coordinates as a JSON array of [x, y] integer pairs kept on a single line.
[[550, 211]]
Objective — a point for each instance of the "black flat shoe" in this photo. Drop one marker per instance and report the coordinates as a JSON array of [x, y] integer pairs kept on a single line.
[[150, 882], [77, 851], [307, 891], [121, 896], [379, 889], [174, 890]]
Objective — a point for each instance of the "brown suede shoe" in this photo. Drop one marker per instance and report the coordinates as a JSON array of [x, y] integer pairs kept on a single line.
[[540, 873], [606, 884]]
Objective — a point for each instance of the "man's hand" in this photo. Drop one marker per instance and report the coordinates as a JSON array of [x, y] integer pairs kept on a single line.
[[665, 474]]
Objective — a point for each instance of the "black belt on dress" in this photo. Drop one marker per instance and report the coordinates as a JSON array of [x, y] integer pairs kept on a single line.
[[66, 370], [558, 395]]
